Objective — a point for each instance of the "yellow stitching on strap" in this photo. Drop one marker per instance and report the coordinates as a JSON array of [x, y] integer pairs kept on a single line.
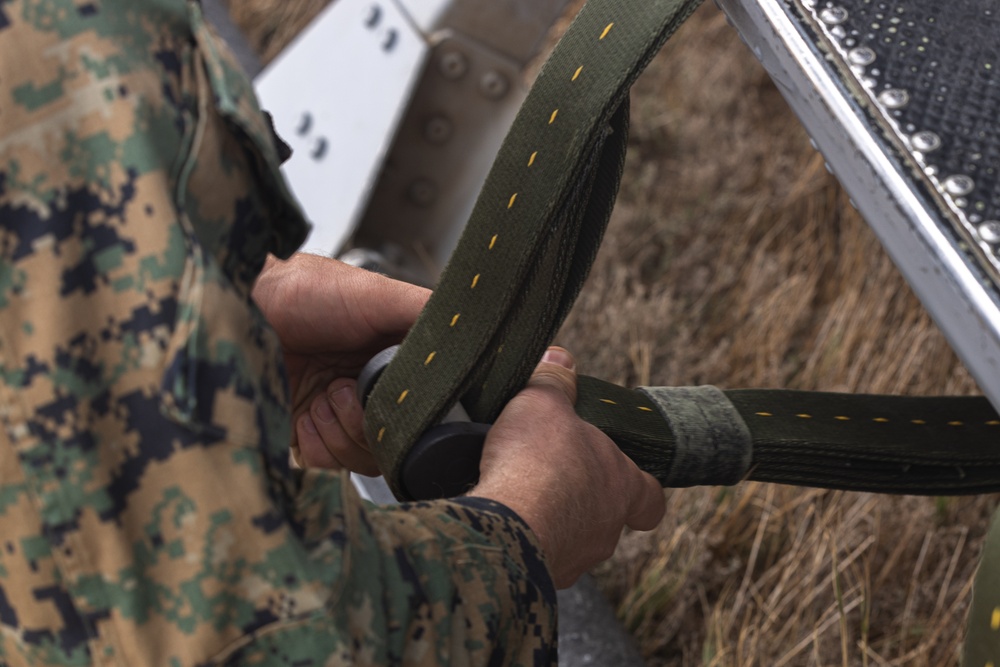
[[842, 418], [607, 30], [804, 416], [993, 423], [381, 433], [645, 409], [430, 358], [454, 320], [513, 198], [577, 74], [956, 423], [608, 401], [918, 422], [402, 397], [995, 619], [881, 420], [475, 281], [552, 118], [493, 241], [764, 414], [531, 160]]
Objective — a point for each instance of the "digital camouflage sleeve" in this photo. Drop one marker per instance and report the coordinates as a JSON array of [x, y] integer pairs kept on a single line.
[[147, 512]]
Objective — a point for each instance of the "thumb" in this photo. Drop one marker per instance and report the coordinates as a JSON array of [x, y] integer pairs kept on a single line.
[[556, 370]]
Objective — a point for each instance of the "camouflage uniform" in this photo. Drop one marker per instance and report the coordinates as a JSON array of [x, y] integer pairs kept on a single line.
[[147, 512]]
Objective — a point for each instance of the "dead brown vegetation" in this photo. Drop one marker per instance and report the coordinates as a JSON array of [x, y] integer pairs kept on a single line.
[[733, 258]]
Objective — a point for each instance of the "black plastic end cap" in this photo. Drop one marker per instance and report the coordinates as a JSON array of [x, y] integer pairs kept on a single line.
[[373, 371], [444, 463]]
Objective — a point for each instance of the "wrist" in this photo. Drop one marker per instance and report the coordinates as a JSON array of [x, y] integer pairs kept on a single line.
[[518, 539], [529, 507]]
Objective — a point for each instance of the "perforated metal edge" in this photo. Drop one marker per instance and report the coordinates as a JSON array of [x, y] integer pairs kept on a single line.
[[958, 294], [950, 190]]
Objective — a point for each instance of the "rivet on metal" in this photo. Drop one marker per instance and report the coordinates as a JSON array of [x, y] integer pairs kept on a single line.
[[833, 15], [422, 192], [494, 85], [438, 130], [959, 185], [989, 231], [862, 55], [453, 65], [931, 170], [838, 32], [894, 98], [925, 141]]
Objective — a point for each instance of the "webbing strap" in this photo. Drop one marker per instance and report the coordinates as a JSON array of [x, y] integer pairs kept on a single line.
[[887, 444], [520, 264], [533, 233]]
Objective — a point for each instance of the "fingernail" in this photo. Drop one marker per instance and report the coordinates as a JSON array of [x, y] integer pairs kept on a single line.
[[308, 425], [324, 413], [343, 398], [559, 357]]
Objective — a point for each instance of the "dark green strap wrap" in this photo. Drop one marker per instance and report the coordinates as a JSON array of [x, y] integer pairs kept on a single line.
[[887, 444], [521, 262], [533, 233]]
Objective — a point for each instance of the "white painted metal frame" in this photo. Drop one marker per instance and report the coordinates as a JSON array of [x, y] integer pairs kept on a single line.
[[365, 57]]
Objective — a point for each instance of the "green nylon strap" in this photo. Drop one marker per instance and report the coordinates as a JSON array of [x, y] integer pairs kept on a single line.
[[886, 444], [520, 264], [532, 235]]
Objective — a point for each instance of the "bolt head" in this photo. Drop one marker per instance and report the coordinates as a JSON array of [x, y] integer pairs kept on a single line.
[[989, 231], [833, 15], [925, 141], [422, 192], [494, 85], [453, 65], [894, 98], [862, 56], [438, 130], [959, 185]]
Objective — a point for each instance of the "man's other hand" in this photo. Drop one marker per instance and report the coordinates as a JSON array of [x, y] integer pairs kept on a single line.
[[563, 476], [331, 319]]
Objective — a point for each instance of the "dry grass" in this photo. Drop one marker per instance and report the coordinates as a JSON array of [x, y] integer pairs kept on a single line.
[[733, 258]]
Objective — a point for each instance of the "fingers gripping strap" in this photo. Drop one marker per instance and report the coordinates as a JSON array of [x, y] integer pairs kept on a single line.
[[712, 444]]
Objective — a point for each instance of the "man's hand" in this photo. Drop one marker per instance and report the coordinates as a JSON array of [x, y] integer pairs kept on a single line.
[[331, 319], [564, 477]]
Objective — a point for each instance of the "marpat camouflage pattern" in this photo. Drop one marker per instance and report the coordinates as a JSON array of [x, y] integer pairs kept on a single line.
[[148, 515]]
